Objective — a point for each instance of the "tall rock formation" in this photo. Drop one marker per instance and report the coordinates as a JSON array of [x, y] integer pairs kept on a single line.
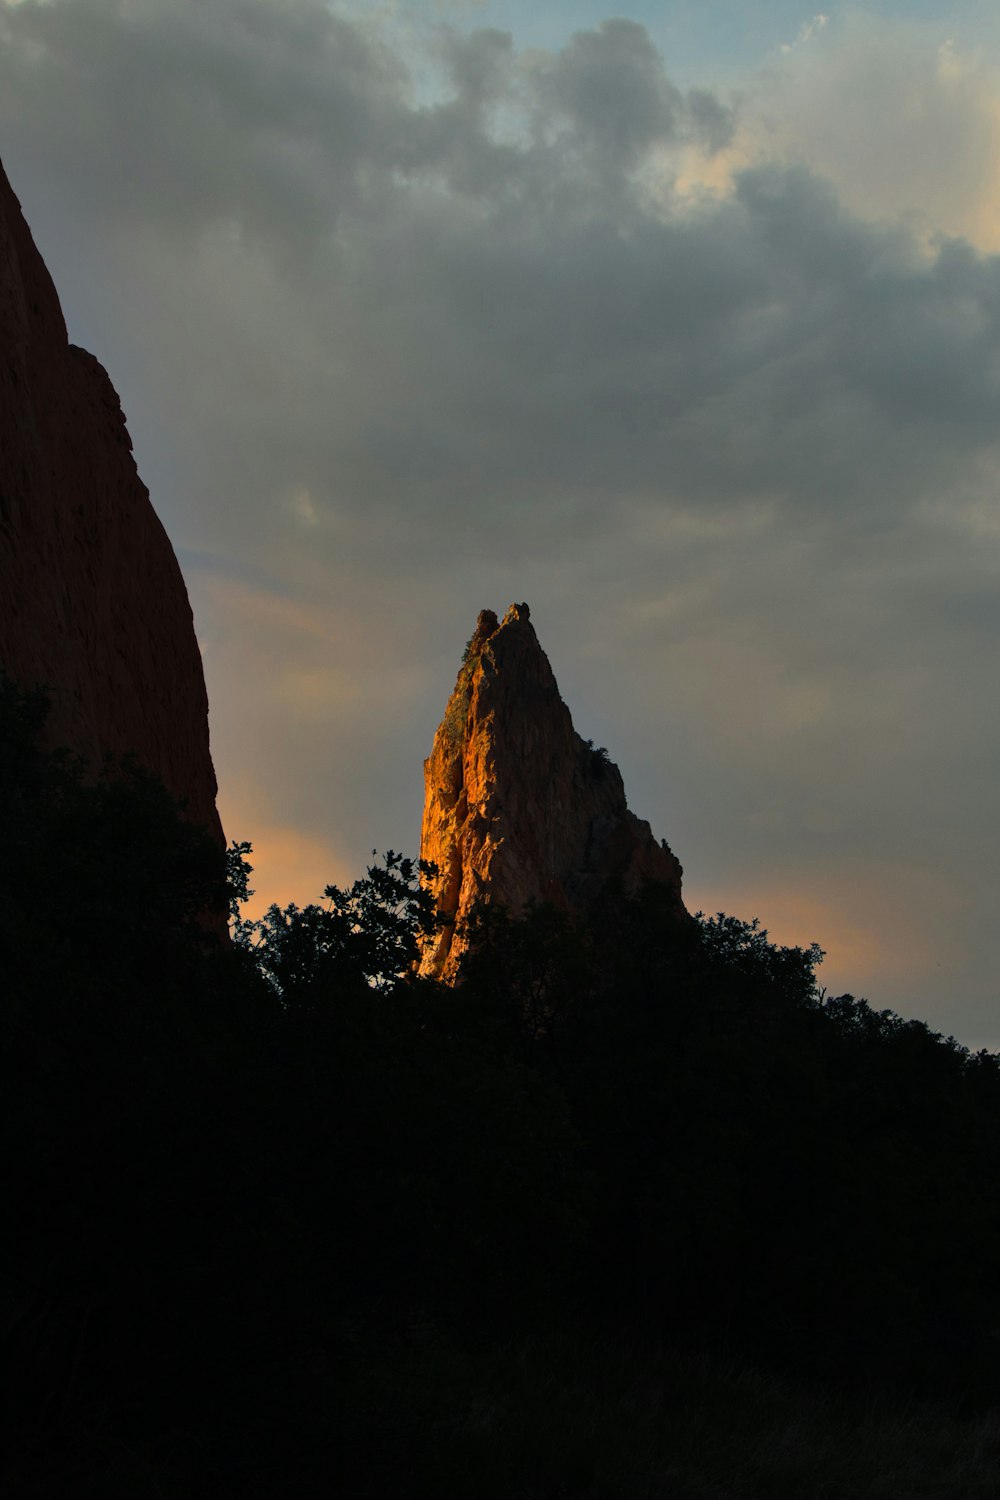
[[517, 807], [92, 602]]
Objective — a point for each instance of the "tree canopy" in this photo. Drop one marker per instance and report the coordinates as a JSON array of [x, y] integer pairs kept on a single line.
[[248, 1168]]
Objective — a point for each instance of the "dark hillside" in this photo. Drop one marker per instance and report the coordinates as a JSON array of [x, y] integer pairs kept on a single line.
[[283, 1218]]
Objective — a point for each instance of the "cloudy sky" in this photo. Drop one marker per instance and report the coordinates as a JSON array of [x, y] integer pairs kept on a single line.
[[681, 323]]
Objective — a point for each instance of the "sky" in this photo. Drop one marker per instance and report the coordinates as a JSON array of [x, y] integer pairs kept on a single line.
[[680, 322]]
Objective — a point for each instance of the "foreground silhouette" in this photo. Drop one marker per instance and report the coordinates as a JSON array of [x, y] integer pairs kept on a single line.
[[285, 1216]]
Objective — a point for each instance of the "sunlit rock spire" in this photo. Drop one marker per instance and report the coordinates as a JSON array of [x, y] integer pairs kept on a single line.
[[517, 807]]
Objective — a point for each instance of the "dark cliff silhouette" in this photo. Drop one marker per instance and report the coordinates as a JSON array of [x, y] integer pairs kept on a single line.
[[92, 602]]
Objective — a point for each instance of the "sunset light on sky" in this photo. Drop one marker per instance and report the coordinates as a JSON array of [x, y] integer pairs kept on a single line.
[[680, 323]]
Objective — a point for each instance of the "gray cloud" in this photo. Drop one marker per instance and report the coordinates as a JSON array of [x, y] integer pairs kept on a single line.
[[391, 353], [610, 85], [179, 116]]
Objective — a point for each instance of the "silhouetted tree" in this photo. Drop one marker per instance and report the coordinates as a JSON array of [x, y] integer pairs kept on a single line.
[[368, 934]]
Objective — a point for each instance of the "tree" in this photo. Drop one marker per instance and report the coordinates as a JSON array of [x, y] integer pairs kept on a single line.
[[367, 935], [745, 949]]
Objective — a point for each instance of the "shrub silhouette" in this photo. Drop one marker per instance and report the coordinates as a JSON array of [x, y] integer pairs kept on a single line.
[[250, 1184]]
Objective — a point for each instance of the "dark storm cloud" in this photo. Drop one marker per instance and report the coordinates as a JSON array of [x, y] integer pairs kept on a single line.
[[409, 330], [182, 114], [611, 86]]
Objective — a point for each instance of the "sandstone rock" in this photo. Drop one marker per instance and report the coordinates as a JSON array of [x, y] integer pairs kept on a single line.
[[92, 602], [517, 807]]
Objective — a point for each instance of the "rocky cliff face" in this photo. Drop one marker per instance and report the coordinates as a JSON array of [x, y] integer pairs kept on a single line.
[[92, 602], [517, 807]]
